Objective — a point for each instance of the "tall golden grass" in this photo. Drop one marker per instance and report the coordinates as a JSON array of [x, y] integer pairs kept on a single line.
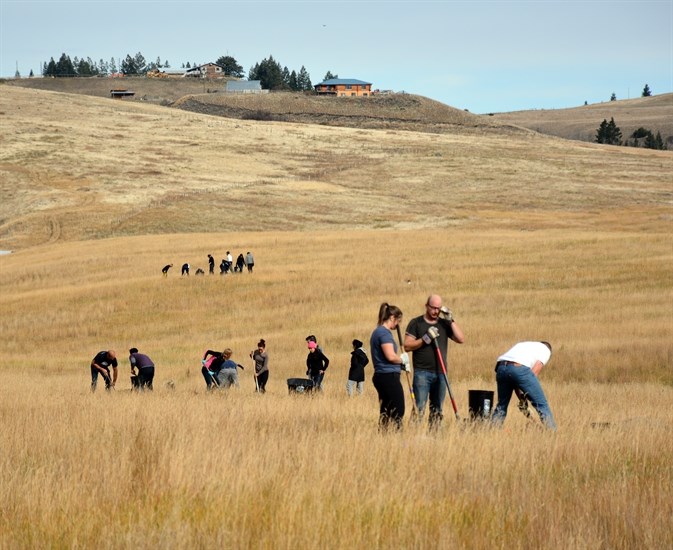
[[182, 468], [524, 236]]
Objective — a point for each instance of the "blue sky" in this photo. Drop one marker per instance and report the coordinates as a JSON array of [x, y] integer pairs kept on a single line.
[[484, 56]]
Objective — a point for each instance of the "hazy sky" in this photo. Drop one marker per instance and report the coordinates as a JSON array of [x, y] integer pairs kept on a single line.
[[484, 56]]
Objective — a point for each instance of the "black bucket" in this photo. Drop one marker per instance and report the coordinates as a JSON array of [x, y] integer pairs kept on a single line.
[[299, 385], [480, 403]]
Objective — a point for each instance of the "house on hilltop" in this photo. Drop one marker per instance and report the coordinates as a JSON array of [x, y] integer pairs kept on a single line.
[[344, 87], [207, 70]]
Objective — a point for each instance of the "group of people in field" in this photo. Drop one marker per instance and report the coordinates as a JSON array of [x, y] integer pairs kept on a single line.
[[227, 265], [426, 337]]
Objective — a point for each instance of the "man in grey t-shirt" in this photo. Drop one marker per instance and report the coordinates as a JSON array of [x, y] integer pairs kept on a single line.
[[428, 377]]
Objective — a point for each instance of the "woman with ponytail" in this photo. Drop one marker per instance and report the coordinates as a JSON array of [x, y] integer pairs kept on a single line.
[[387, 367]]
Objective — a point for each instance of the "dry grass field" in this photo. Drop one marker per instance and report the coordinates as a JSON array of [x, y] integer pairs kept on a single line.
[[654, 113], [525, 236]]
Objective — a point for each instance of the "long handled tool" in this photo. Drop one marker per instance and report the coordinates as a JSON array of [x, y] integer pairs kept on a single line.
[[411, 387], [254, 373], [440, 359], [213, 378]]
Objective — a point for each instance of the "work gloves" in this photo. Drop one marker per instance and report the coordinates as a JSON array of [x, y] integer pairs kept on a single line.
[[445, 313], [405, 361], [428, 337]]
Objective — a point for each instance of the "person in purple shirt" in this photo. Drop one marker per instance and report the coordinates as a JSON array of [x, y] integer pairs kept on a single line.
[[145, 367]]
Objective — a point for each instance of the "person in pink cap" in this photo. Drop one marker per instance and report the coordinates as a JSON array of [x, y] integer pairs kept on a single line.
[[316, 364]]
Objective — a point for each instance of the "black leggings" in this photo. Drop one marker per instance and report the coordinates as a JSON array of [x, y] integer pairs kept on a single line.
[[261, 381], [391, 399]]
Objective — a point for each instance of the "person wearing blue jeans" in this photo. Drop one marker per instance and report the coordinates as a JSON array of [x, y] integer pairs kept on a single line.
[[435, 327], [517, 370]]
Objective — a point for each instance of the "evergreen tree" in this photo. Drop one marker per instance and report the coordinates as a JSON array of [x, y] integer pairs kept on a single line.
[[640, 133], [268, 72], [646, 91], [286, 78], [64, 66], [609, 133], [658, 139], [140, 63], [230, 66], [128, 66], [304, 80], [613, 97], [650, 142], [329, 76], [294, 84], [167, 64], [113, 65], [50, 69], [31, 75]]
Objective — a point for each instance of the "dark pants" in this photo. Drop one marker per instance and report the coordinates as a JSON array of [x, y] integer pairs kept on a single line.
[[145, 378], [391, 399], [211, 380], [262, 380], [317, 379], [94, 378]]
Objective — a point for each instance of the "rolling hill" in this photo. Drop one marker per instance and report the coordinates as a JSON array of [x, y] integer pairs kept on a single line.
[[654, 113], [79, 167]]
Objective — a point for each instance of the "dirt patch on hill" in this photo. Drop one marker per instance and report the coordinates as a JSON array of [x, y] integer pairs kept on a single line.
[[390, 111]]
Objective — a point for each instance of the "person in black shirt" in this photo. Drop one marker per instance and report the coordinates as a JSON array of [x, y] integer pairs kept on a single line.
[[429, 382], [211, 264], [211, 368], [316, 364], [356, 374], [145, 366], [101, 364]]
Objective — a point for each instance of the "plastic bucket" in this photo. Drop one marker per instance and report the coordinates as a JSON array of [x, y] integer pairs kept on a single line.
[[480, 404]]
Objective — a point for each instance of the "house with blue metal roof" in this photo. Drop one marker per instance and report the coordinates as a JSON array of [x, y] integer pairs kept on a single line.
[[344, 87]]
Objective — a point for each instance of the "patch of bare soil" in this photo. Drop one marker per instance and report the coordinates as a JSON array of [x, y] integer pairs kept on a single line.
[[390, 111]]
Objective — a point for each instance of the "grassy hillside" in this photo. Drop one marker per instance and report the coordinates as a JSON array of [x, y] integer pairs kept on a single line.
[[77, 167], [525, 236], [396, 111], [653, 113]]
